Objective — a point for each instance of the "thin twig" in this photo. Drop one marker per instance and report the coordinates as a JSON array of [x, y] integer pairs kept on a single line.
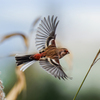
[[94, 61]]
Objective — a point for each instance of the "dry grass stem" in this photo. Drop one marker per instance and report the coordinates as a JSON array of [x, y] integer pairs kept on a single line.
[[19, 86], [16, 34], [94, 61]]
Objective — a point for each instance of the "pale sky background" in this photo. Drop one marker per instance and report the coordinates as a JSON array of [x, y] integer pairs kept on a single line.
[[78, 30]]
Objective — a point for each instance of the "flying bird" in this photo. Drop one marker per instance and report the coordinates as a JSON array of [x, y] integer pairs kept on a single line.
[[49, 54]]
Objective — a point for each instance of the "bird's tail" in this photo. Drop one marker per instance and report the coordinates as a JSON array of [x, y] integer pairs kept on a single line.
[[24, 59]]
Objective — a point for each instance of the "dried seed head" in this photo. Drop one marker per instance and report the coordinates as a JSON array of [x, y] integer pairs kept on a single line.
[[2, 94]]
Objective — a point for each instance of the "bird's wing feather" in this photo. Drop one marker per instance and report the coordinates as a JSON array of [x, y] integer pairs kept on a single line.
[[53, 67], [46, 33]]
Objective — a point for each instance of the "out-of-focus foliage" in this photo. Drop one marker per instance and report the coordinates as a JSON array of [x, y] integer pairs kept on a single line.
[[2, 94]]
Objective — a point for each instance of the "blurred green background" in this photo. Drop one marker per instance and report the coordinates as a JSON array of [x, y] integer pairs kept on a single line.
[[79, 28]]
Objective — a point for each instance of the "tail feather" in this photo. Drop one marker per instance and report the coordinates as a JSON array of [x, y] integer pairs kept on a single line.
[[24, 67], [22, 59]]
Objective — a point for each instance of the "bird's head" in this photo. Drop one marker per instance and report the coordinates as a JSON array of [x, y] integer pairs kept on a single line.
[[63, 52]]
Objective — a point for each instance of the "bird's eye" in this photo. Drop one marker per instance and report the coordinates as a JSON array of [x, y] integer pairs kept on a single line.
[[65, 51]]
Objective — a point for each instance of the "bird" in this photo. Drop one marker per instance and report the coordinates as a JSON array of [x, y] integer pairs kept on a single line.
[[48, 53]]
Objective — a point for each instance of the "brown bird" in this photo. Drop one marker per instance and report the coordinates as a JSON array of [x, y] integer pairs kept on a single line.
[[49, 54]]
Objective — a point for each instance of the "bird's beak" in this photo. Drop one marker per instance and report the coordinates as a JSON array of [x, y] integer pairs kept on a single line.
[[68, 52]]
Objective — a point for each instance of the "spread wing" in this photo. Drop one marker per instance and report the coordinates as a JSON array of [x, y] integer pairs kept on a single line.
[[53, 67], [46, 33]]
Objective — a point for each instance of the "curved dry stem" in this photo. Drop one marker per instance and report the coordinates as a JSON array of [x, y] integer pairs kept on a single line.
[[16, 34], [19, 86], [94, 61]]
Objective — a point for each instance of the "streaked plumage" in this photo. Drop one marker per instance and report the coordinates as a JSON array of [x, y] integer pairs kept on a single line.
[[49, 54]]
